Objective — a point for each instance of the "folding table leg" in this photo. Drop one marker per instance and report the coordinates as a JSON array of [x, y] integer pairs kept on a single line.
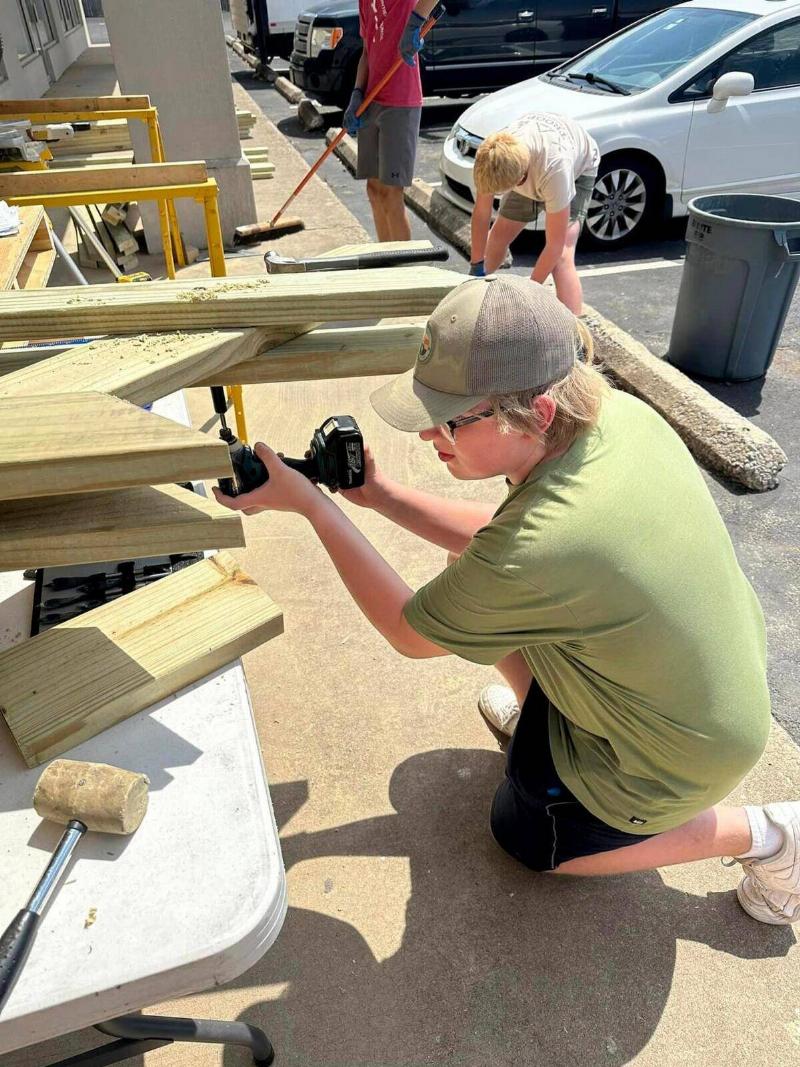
[[115, 1052], [214, 1031]]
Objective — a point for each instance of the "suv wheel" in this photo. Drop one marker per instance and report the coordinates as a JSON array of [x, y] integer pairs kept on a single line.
[[624, 202]]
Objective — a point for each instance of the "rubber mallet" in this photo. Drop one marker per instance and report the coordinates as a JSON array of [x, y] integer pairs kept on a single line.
[[81, 796]]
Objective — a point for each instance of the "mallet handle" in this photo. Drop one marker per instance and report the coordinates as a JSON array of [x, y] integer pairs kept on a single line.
[[15, 944]]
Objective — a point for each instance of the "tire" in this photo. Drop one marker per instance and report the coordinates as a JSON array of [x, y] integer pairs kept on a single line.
[[627, 199]]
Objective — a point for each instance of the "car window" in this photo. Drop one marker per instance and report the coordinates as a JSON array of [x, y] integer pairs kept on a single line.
[[641, 57], [772, 57]]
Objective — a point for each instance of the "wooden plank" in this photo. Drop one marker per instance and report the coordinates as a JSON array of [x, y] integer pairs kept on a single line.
[[134, 523], [36, 268], [341, 352], [57, 105], [43, 182], [274, 300], [81, 442], [15, 247], [77, 679], [142, 368]]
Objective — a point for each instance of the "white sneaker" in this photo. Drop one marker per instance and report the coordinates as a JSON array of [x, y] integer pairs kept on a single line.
[[500, 710], [770, 888]]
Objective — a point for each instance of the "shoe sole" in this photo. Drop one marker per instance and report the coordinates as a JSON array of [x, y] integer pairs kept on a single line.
[[501, 738], [761, 913]]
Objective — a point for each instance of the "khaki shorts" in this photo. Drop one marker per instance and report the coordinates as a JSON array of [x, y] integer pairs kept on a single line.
[[519, 208], [387, 144]]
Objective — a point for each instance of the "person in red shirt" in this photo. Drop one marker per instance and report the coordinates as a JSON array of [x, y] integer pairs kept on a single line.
[[388, 130]]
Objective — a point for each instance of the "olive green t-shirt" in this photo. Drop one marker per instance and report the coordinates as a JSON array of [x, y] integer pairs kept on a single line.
[[611, 570]]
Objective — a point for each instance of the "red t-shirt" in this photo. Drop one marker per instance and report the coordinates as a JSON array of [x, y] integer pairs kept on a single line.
[[382, 24]]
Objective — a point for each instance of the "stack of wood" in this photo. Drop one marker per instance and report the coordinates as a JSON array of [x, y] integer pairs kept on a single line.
[[113, 135], [260, 166], [87, 476], [115, 226]]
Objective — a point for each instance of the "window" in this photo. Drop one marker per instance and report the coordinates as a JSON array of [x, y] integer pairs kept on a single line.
[[772, 57], [38, 26], [25, 45], [69, 13]]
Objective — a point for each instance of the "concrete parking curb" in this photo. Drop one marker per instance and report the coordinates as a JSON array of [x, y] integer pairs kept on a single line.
[[717, 436], [287, 90], [235, 46]]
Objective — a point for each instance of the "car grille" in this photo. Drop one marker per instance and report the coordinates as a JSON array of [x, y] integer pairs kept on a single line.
[[302, 32], [463, 191], [467, 144]]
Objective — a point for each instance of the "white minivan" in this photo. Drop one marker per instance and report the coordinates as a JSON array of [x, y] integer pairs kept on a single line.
[[700, 98]]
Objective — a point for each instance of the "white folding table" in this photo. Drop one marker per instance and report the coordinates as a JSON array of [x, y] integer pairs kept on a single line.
[[190, 901]]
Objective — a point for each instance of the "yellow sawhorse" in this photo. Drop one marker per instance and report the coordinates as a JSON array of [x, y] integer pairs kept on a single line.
[[204, 193], [97, 109]]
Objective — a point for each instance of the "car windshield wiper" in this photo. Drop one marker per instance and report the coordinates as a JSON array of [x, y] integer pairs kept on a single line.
[[598, 79]]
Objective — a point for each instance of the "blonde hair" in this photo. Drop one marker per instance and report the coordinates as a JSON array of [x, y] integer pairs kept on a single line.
[[500, 163], [578, 397]]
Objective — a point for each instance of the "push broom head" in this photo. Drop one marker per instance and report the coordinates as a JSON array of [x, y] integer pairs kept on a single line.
[[258, 231]]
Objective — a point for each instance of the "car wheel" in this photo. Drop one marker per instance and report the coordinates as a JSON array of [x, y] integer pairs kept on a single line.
[[624, 202]]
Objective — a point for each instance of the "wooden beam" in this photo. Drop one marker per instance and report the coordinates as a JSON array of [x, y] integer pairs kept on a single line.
[[82, 442], [60, 104], [339, 352], [15, 247], [276, 300], [77, 679], [46, 182], [134, 523], [141, 368]]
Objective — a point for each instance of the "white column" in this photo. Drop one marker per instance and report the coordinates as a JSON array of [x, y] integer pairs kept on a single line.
[[175, 51]]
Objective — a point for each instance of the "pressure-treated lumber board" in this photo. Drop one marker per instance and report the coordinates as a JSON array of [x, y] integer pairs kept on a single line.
[[274, 300], [77, 679], [60, 531], [338, 352], [141, 368], [42, 182], [81, 442], [15, 247], [68, 104]]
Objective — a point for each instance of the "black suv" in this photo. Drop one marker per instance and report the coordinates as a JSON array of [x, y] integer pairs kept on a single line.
[[477, 46]]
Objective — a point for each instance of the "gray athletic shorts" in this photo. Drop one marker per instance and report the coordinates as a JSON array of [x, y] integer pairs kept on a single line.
[[521, 208], [387, 144]]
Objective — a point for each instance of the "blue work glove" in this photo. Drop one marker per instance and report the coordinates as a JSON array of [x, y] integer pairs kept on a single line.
[[411, 42], [350, 122], [477, 270]]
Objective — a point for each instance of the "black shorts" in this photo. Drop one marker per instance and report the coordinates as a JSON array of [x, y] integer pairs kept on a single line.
[[535, 818]]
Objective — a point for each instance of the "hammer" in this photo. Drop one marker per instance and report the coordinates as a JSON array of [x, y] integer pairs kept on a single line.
[[81, 796]]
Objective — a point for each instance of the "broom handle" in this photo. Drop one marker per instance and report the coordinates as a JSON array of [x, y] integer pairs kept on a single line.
[[430, 22]]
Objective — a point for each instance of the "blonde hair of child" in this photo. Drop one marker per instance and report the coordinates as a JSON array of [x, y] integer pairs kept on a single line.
[[500, 163]]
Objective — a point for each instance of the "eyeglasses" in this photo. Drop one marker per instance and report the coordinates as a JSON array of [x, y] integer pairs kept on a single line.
[[453, 424]]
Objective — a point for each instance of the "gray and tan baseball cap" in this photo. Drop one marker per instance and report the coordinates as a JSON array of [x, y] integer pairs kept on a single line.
[[488, 336]]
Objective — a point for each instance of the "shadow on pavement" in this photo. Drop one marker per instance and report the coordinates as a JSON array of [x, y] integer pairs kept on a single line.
[[497, 965]]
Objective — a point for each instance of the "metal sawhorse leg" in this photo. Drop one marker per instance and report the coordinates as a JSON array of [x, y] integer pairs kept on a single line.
[[143, 1033]]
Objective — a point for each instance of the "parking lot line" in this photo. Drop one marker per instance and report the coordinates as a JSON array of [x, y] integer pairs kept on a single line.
[[627, 268]]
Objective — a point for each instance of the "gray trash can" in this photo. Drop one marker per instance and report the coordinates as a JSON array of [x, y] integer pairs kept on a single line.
[[740, 274]]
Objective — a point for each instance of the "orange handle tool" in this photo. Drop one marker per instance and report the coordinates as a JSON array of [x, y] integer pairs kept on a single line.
[[428, 25]]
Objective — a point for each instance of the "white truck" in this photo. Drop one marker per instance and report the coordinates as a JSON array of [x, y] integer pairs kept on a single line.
[[266, 27]]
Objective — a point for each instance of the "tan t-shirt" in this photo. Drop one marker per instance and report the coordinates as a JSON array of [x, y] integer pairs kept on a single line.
[[611, 570], [561, 151]]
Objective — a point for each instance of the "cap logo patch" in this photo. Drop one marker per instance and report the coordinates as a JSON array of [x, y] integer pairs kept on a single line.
[[424, 353]]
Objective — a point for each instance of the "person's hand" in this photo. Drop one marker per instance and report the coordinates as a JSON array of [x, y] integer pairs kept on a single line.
[[350, 122], [477, 270], [373, 490], [286, 489], [412, 42]]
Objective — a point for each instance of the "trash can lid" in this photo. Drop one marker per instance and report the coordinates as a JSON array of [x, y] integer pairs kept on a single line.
[[752, 210]]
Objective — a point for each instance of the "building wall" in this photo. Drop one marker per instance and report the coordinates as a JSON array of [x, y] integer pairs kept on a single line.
[[29, 67]]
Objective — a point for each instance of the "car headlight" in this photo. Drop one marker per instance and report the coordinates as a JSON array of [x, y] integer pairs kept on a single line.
[[324, 37]]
